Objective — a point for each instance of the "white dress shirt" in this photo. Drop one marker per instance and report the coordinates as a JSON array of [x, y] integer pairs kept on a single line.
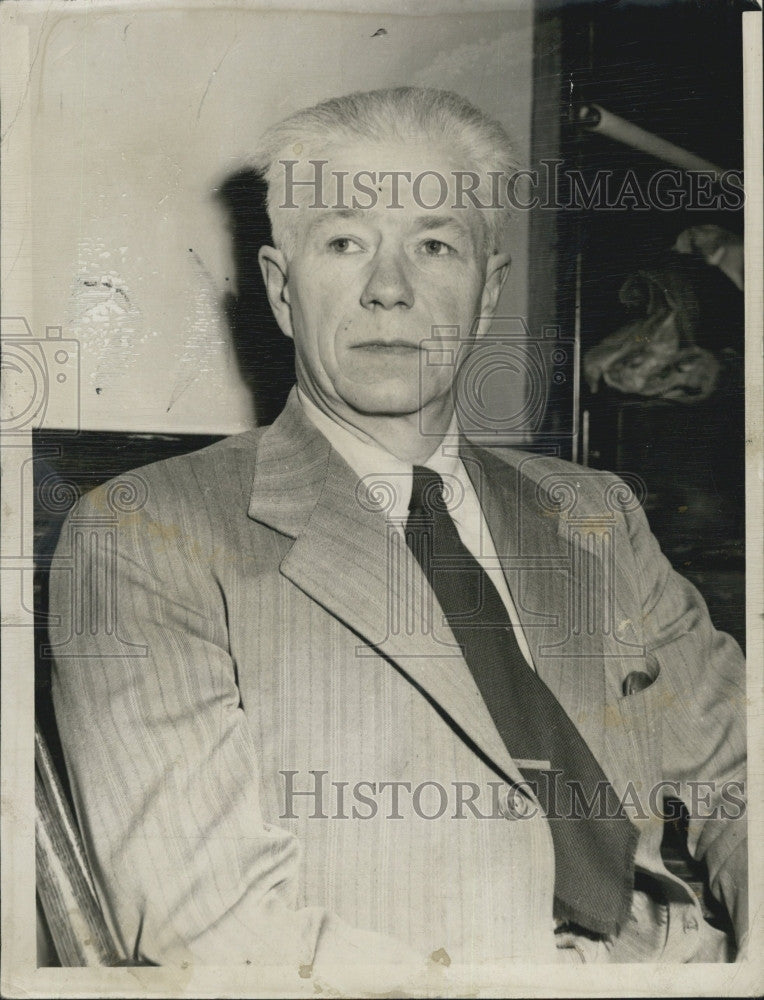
[[374, 464]]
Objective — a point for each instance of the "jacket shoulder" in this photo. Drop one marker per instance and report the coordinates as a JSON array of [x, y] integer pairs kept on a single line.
[[560, 486], [538, 465], [217, 474]]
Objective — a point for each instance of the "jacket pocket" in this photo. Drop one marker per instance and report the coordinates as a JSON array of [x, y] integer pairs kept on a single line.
[[639, 680]]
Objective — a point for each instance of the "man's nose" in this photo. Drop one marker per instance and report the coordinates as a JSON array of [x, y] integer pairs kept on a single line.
[[388, 285]]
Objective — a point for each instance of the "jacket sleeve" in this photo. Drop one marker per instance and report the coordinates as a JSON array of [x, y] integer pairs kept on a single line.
[[703, 702], [164, 771]]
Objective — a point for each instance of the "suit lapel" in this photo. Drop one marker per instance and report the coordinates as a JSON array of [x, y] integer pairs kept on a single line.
[[351, 561]]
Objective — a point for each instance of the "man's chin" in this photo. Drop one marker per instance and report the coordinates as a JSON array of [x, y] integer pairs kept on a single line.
[[383, 399]]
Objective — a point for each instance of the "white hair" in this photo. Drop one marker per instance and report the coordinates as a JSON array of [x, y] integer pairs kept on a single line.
[[397, 114]]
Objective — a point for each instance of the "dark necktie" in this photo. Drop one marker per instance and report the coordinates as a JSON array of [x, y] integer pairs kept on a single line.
[[594, 855]]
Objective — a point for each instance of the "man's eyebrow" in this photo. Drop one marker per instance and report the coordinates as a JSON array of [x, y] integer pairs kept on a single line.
[[428, 222]]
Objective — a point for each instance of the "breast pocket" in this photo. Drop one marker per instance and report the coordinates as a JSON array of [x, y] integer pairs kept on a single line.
[[642, 678]]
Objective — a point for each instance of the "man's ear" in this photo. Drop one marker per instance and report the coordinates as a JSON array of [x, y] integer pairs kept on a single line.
[[497, 269], [273, 266]]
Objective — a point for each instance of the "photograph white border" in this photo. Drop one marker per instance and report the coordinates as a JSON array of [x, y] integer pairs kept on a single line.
[[20, 977]]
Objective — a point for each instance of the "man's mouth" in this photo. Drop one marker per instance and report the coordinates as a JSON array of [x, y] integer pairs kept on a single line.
[[386, 346]]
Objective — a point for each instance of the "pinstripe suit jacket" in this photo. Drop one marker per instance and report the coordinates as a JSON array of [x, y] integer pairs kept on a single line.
[[243, 628]]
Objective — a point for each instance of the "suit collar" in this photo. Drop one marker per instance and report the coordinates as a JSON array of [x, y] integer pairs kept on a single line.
[[290, 471], [292, 465]]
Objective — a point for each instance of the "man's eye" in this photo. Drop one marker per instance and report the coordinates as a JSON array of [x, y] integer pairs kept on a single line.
[[344, 245], [437, 248]]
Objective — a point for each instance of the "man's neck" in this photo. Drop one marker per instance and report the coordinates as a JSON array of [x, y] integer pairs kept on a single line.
[[410, 437]]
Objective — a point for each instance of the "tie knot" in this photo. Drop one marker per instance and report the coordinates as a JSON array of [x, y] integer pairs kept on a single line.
[[426, 491]]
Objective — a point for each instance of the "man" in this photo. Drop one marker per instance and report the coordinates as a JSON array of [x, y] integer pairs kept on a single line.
[[359, 652]]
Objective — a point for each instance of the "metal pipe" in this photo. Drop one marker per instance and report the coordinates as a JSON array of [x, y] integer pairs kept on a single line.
[[585, 438], [577, 354], [597, 119]]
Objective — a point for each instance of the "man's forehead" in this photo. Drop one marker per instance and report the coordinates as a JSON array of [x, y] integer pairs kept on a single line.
[[415, 217], [422, 189], [420, 170], [415, 152]]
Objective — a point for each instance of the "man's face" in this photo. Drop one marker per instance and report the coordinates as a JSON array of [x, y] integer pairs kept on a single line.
[[365, 287]]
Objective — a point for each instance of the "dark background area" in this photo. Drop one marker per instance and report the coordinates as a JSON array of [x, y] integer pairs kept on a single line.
[[265, 355], [675, 70]]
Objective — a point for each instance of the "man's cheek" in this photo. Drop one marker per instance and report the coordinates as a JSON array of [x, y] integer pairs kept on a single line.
[[454, 306]]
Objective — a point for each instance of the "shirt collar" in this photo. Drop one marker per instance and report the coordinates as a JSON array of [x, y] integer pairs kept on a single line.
[[374, 464]]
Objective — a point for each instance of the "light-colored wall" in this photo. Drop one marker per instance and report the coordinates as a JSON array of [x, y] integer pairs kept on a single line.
[[137, 115]]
